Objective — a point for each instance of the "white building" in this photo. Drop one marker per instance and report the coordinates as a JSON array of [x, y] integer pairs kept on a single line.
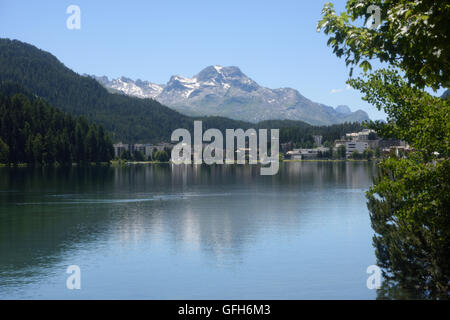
[[119, 148], [358, 146], [360, 136], [302, 154], [146, 149]]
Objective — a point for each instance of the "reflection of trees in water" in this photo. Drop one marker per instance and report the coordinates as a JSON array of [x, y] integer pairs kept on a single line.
[[391, 290], [33, 230], [44, 234]]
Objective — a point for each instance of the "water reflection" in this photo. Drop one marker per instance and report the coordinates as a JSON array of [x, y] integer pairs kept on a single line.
[[220, 223]]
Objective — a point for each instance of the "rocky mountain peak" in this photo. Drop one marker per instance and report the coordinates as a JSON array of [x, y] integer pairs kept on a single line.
[[228, 92]]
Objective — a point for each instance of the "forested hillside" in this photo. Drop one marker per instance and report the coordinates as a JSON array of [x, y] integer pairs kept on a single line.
[[126, 118], [33, 132]]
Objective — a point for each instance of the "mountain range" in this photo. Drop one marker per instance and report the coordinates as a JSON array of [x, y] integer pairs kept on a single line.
[[126, 118], [228, 92]]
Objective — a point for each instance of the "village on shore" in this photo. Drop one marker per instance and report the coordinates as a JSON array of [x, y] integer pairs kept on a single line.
[[363, 145]]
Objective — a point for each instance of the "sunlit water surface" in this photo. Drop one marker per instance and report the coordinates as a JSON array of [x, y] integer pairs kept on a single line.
[[186, 232]]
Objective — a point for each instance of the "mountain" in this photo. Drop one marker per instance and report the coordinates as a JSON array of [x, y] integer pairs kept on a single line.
[[343, 110], [140, 89], [228, 92], [36, 133], [127, 119]]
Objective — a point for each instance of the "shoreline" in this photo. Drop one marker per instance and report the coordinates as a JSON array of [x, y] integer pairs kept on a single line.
[[118, 163]]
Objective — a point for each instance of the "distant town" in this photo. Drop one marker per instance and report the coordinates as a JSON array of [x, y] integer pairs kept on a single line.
[[356, 145]]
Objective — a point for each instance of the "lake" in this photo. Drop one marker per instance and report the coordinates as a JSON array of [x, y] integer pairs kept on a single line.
[[187, 232]]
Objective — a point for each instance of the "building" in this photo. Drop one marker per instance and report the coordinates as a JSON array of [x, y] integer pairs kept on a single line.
[[317, 140], [146, 149], [305, 154], [367, 139], [361, 136], [358, 146], [139, 148], [119, 148]]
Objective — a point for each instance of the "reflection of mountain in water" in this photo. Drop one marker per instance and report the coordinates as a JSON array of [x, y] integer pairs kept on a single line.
[[50, 214]]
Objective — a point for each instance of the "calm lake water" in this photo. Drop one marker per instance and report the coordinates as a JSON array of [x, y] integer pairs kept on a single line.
[[186, 232]]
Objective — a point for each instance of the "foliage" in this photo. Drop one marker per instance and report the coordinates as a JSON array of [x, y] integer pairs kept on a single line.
[[413, 114], [409, 201], [161, 156], [33, 132], [356, 155], [368, 154], [412, 225], [341, 152], [127, 119], [302, 136], [413, 36], [4, 152]]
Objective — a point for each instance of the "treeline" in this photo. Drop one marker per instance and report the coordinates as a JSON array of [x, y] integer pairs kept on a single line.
[[302, 136], [35, 133], [157, 155], [127, 119]]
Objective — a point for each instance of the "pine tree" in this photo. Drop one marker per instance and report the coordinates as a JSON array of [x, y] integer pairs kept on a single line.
[[4, 152]]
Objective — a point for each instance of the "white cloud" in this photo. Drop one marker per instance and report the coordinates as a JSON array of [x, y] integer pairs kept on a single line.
[[333, 91]]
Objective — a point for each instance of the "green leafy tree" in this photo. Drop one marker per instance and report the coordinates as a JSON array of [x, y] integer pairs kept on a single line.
[[367, 154], [126, 155], [4, 152], [356, 155], [341, 152], [409, 201], [38, 149], [161, 156], [413, 36], [138, 156], [377, 152]]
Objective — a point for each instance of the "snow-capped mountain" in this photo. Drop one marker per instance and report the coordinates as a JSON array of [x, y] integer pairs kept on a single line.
[[138, 88], [226, 91]]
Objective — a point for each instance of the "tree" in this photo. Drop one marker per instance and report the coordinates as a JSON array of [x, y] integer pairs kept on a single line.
[[92, 144], [4, 152], [49, 148], [377, 152], [38, 148], [341, 152], [367, 154], [409, 201], [126, 155], [37, 133], [356, 155], [138, 156], [405, 22], [161, 156]]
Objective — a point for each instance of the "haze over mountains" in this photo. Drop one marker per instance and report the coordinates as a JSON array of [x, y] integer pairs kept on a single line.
[[228, 92]]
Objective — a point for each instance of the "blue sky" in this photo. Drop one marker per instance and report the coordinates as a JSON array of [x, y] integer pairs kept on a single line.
[[273, 42]]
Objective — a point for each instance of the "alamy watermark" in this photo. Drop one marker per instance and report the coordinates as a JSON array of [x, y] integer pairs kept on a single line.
[[374, 20], [374, 280], [254, 152], [73, 22], [73, 282]]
